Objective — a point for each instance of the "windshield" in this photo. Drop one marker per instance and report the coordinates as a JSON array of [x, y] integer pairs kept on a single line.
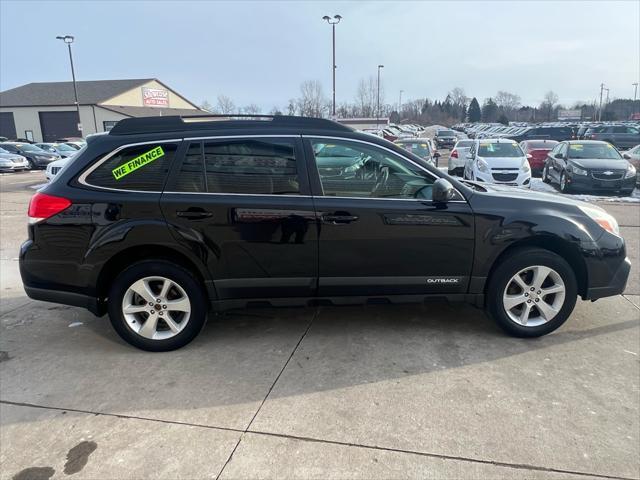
[[417, 148], [464, 143], [63, 147], [490, 150], [593, 150], [27, 147], [446, 133]]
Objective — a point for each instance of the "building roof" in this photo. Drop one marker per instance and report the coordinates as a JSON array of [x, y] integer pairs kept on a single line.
[[61, 93], [152, 111]]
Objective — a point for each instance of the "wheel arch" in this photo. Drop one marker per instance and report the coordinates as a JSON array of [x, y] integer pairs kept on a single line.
[[557, 245]]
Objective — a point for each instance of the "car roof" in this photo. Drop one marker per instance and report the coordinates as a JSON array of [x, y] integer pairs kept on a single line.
[[495, 140]]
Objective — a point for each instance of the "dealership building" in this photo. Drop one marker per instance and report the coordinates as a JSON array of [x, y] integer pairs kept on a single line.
[[45, 112]]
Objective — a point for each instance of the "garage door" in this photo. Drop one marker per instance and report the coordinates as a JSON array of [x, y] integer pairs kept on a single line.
[[7, 125], [57, 125]]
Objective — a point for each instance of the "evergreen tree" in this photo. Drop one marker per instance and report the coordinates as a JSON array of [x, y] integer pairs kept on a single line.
[[474, 112], [489, 110], [503, 119]]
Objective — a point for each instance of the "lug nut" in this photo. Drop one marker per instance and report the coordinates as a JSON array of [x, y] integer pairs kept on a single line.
[[537, 299], [158, 300], [150, 304], [529, 301], [152, 312], [160, 313], [164, 306], [526, 294], [539, 292], [532, 289]]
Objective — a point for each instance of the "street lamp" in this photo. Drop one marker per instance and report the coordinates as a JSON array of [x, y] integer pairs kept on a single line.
[[400, 103], [68, 39], [378, 102], [333, 22]]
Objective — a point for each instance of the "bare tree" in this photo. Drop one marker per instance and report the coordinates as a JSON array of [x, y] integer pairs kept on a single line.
[[458, 97], [312, 101], [507, 101], [367, 97], [225, 105], [252, 109], [549, 102], [206, 106]]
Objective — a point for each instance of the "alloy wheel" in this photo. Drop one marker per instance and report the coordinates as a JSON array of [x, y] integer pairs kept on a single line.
[[534, 296], [156, 308]]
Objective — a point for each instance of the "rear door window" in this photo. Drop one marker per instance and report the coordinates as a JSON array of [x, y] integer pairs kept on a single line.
[[139, 167]]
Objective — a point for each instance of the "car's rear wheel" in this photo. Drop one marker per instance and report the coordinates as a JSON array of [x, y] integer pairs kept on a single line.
[[532, 292], [545, 174], [564, 184], [30, 164], [157, 305]]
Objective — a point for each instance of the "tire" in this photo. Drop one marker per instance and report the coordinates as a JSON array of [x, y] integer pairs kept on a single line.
[[502, 285], [545, 174], [564, 186], [169, 331], [30, 164]]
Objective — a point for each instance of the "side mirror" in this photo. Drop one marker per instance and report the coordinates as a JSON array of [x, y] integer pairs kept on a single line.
[[559, 156], [626, 156], [442, 191]]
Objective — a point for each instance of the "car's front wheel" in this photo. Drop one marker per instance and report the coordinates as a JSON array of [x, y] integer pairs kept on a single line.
[[564, 184], [545, 174], [532, 292], [157, 305]]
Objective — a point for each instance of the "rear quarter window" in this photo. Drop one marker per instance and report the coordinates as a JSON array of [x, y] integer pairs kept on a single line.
[[140, 167]]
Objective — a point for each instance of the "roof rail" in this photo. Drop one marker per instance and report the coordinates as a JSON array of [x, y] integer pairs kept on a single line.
[[175, 123]]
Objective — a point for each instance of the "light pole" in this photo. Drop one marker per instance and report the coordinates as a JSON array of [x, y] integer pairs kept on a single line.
[[378, 101], [600, 106], [333, 22], [68, 39], [400, 103]]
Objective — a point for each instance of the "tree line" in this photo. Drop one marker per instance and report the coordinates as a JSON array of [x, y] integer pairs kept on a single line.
[[456, 107]]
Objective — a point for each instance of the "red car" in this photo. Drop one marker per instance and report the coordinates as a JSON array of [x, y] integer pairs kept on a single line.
[[536, 152]]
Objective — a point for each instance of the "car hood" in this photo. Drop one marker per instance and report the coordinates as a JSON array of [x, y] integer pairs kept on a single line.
[[503, 162], [60, 163], [11, 156], [599, 163], [507, 192]]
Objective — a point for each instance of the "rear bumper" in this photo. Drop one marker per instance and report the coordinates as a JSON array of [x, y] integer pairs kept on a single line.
[[65, 298]]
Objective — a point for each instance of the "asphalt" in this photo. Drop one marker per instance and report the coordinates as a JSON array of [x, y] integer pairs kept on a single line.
[[331, 392]]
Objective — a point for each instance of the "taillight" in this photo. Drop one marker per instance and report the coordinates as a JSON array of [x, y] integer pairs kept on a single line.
[[454, 153], [43, 206]]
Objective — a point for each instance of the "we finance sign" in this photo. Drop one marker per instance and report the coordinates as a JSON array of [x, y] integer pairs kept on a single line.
[[155, 97]]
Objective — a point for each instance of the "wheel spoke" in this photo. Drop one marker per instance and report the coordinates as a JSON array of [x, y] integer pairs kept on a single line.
[[540, 274], [524, 315], [181, 305], [552, 289], [521, 283], [141, 287], [175, 328], [166, 286], [511, 301], [135, 309], [149, 328], [546, 310]]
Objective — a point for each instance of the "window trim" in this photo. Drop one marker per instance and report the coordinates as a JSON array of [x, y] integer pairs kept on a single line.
[[82, 179], [312, 160]]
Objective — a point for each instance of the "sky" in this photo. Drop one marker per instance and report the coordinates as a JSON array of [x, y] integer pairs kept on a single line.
[[261, 51]]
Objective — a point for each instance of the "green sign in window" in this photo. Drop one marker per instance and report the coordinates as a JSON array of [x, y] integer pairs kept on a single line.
[[138, 162]]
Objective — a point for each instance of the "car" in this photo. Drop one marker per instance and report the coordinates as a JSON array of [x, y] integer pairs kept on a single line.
[[497, 160], [458, 157], [61, 149], [633, 155], [620, 136], [536, 152], [11, 162], [589, 165], [557, 133], [36, 157], [421, 148], [163, 219], [55, 167], [445, 138]]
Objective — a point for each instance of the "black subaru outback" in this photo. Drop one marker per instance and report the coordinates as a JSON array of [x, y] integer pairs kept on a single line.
[[165, 218]]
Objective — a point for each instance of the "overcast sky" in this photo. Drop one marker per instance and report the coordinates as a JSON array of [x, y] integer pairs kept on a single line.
[[260, 52]]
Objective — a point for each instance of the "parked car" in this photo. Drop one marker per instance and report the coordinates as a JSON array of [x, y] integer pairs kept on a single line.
[[545, 132], [420, 148], [458, 157], [445, 138], [36, 157], [61, 149], [620, 136], [536, 152], [500, 161], [633, 155], [11, 162], [589, 165], [55, 167], [188, 218]]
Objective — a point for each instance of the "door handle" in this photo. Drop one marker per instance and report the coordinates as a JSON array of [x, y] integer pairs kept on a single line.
[[339, 219], [194, 214]]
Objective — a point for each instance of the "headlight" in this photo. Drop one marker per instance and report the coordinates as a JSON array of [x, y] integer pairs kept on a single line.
[[525, 167], [602, 218], [482, 165], [578, 170], [631, 171]]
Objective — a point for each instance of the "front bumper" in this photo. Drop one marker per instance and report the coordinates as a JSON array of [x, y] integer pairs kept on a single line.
[[13, 167], [588, 183], [516, 179], [616, 285]]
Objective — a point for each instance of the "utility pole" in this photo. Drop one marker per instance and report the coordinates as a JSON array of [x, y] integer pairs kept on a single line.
[[400, 103], [333, 22], [378, 102], [635, 95], [68, 39], [600, 106]]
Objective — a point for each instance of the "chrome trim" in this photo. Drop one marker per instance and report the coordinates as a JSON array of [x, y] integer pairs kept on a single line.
[[242, 136], [435, 177], [238, 194], [82, 179]]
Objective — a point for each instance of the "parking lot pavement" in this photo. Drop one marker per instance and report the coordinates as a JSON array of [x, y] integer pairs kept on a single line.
[[331, 392]]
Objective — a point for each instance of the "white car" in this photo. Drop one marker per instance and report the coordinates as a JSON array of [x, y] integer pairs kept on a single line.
[[54, 167], [11, 162], [497, 160], [458, 157]]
